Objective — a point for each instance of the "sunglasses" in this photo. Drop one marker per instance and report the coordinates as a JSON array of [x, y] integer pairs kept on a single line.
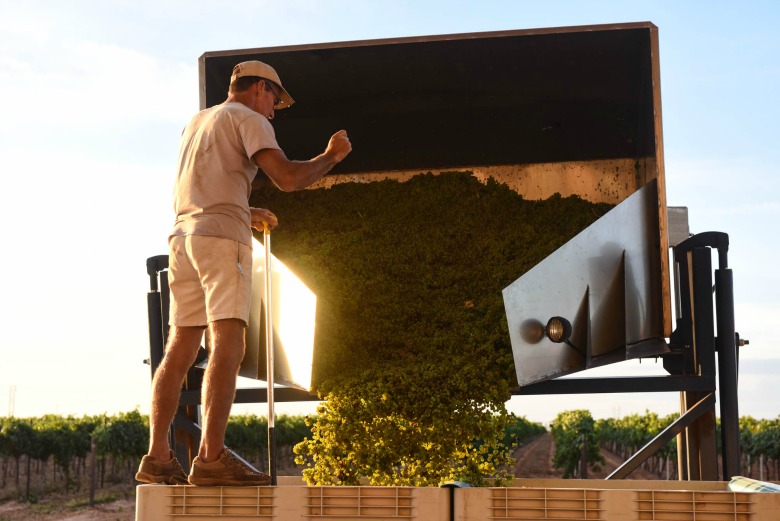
[[277, 98]]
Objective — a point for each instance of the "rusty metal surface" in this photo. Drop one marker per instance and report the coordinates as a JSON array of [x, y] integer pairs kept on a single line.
[[601, 181]]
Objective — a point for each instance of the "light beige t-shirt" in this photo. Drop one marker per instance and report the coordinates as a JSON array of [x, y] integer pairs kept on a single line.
[[214, 179]]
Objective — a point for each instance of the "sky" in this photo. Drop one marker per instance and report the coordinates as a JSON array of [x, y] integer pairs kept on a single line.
[[94, 94]]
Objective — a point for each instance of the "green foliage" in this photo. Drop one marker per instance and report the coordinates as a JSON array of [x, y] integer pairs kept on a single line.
[[64, 438], [412, 343], [291, 430], [335, 439], [633, 432], [625, 436], [767, 439], [248, 435], [124, 436], [575, 437], [17, 437], [758, 438], [520, 429]]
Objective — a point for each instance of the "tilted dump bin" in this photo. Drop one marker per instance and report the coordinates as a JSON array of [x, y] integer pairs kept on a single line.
[[574, 111]]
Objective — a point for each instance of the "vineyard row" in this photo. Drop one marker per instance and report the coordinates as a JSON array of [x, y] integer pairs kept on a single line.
[[578, 438]]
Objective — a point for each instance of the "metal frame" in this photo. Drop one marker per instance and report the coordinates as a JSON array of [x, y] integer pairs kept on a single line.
[[695, 339], [691, 364], [691, 367], [678, 426], [185, 431]]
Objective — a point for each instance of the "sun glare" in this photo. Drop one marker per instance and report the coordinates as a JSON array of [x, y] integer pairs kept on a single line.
[[293, 314]]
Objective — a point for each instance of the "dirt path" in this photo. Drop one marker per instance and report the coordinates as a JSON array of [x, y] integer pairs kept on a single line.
[[534, 460], [120, 510]]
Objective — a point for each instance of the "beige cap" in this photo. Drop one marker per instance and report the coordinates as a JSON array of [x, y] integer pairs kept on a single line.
[[262, 70]]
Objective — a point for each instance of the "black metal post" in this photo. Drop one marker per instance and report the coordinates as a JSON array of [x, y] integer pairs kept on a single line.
[[154, 302], [703, 451], [165, 306], [155, 330], [157, 308], [727, 372], [272, 454]]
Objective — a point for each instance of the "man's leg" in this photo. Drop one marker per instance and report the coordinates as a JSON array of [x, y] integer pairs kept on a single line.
[[183, 343], [214, 465], [219, 385]]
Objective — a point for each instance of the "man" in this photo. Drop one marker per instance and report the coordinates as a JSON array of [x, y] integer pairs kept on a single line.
[[210, 270]]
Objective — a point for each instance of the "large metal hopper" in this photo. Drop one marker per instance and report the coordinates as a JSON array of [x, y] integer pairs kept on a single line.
[[573, 110]]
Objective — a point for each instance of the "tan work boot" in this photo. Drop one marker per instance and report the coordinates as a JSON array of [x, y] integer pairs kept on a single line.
[[226, 471], [152, 470]]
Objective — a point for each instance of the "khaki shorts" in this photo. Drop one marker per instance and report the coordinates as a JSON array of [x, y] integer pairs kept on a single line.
[[210, 279]]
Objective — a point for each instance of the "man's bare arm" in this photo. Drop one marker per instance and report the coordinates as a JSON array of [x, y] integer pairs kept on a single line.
[[294, 175]]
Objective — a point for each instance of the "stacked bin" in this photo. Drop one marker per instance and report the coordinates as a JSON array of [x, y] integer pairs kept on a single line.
[[526, 500], [161, 503]]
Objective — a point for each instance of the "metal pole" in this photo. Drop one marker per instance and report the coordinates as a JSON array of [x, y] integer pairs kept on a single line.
[[154, 310], [156, 339], [727, 371], [269, 347], [703, 449]]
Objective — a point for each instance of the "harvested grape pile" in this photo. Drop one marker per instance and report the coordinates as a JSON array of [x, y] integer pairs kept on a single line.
[[413, 272]]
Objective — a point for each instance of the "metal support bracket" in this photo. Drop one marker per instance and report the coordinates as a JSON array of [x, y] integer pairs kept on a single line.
[[665, 436]]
